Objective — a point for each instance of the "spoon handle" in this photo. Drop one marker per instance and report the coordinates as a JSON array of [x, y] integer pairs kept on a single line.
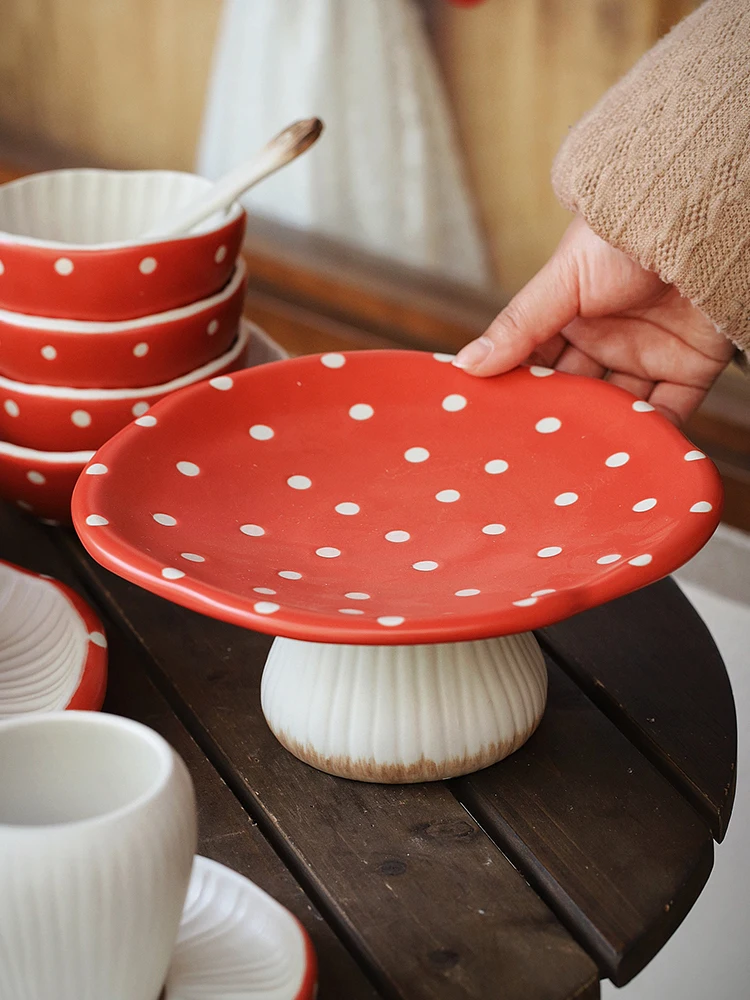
[[282, 149]]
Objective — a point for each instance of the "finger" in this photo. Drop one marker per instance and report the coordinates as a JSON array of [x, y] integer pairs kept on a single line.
[[548, 353], [640, 387], [676, 402], [539, 311], [576, 362]]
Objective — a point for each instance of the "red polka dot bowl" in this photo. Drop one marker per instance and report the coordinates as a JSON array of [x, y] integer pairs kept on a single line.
[[386, 497], [70, 245], [59, 418], [53, 651], [137, 352], [40, 482]]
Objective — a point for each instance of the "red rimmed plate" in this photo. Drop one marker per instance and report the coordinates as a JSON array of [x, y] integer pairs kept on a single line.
[[386, 497]]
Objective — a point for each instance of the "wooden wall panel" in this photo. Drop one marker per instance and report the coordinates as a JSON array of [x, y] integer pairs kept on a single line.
[[520, 73], [117, 81]]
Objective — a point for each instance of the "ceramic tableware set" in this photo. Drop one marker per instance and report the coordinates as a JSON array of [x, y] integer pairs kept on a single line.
[[98, 321]]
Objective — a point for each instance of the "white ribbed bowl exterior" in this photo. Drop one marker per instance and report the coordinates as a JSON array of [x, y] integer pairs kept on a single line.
[[90, 910], [404, 713]]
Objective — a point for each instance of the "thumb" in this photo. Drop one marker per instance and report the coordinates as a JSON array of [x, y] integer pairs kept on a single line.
[[539, 311]]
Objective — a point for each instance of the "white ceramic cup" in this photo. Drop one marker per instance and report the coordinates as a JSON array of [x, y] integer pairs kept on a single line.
[[97, 838]]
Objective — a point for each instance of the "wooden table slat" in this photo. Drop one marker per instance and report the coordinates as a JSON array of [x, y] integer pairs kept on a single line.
[[611, 846], [226, 832], [421, 894], [650, 664]]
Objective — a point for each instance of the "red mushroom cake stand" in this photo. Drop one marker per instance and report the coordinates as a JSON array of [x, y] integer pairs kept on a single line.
[[400, 527]]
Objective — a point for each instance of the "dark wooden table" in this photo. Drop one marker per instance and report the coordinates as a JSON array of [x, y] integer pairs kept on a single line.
[[573, 860]]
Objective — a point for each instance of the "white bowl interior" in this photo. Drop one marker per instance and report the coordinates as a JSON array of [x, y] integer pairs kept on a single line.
[[95, 208], [68, 767], [43, 645]]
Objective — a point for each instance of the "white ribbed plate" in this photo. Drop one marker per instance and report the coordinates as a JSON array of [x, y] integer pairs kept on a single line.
[[52, 646], [237, 943]]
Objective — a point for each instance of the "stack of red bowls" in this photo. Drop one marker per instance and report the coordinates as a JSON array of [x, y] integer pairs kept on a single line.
[[97, 322]]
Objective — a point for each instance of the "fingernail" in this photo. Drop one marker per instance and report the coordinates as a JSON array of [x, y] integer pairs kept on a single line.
[[474, 353]]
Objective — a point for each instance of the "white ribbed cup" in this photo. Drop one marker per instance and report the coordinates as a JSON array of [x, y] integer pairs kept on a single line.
[[97, 837]]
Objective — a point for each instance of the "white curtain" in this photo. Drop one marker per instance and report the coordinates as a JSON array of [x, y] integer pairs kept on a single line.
[[387, 174]]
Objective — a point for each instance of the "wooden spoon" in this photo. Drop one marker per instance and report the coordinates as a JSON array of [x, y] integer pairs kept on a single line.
[[282, 149]]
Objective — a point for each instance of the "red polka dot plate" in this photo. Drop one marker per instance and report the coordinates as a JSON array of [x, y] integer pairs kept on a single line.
[[386, 497]]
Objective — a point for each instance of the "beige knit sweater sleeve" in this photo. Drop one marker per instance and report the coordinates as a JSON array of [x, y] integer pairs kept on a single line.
[[660, 168]]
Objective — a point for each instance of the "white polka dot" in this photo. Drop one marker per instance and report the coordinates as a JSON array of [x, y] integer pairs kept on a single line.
[[63, 265], [702, 507], [212, 327], [525, 603], [166, 519], [643, 560], [548, 425], [328, 552], [398, 536], [468, 592], [222, 382], [261, 432], [454, 402], [254, 530], [141, 350], [351, 611], [139, 409], [96, 520], [566, 499], [391, 621], [333, 360], [264, 590], [493, 529], [347, 508], [36, 477], [416, 454], [146, 421], [543, 593], [265, 607], [619, 458], [606, 560], [170, 573], [188, 468], [81, 418], [97, 469], [299, 482], [11, 407], [147, 265], [540, 372], [220, 254], [448, 496], [425, 565], [289, 574], [361, 411], [98, 639], [693, 456], [496, 466], [2, 267], [27, 506], [549, 551], [355, 595], [192, 557], [48, 352], [642, 505], [445, 358], [641, 406]]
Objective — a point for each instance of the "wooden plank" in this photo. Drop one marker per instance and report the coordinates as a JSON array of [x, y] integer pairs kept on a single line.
[[650, 664], [421, 894], [614, 850], [227, 834]]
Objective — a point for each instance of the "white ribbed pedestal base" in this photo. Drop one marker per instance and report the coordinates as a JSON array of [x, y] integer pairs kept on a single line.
[[404, 713]]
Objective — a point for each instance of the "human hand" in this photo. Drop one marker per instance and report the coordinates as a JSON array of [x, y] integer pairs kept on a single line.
[[592, 310]]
